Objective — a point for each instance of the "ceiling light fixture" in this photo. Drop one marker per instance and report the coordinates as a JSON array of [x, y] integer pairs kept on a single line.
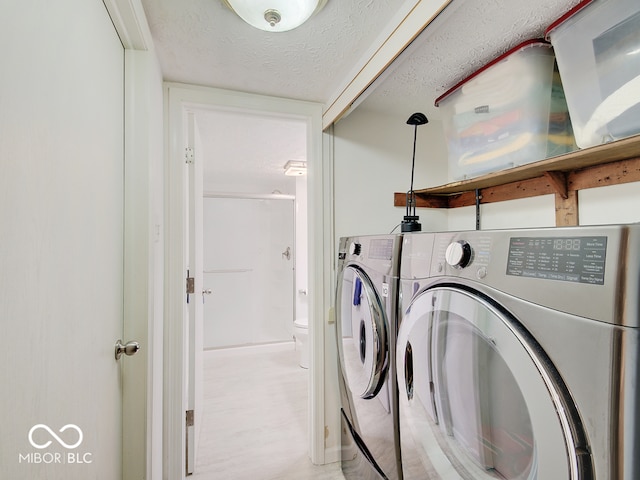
[[275, 15], [294, 168]]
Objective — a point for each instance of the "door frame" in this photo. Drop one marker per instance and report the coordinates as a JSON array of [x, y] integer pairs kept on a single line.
[[179, 99], [141, 427]]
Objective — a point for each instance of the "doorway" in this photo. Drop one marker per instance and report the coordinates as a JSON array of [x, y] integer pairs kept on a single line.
[[182, 100], [246, 236]]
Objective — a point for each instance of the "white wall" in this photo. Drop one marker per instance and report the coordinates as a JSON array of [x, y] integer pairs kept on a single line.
[[521, 213], [372, 155], [301, 250], [597, 206], [617, 204]]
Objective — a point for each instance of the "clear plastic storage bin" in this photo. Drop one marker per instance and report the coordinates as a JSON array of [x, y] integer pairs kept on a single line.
[[597, 45], [510, 112]]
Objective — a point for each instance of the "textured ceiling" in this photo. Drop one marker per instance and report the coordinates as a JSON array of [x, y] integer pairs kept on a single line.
[[202, 42], [247, 153], [465, 37]]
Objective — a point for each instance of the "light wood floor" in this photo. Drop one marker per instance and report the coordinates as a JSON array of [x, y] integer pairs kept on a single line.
[[255, 417]]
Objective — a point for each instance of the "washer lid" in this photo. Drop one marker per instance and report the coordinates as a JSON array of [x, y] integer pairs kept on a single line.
[[362, 321]]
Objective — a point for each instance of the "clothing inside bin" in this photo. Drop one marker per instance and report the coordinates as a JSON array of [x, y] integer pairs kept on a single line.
[[501, 127]]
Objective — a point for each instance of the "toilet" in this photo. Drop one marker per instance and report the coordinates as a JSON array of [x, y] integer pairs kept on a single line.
[[301, 334]]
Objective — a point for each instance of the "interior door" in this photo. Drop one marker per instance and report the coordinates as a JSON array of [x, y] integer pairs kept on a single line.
[[61, 240], [196, 299]]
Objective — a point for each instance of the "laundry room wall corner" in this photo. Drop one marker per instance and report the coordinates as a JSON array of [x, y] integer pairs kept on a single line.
[[332, 443]]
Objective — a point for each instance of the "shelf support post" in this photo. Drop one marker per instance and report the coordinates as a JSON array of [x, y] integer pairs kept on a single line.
[[567, 209]]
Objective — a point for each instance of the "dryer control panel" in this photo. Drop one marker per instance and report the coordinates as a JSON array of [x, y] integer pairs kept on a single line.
[[569, 259]]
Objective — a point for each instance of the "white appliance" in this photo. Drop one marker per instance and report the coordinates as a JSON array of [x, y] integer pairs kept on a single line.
[[518, 354], [367, 307]]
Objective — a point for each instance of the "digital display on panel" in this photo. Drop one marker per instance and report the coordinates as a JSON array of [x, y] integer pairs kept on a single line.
[[569, 259]]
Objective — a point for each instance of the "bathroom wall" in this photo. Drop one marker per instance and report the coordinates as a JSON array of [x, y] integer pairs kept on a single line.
[[301, 250]]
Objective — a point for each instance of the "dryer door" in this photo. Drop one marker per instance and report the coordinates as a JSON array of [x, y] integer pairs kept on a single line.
[[361, 319], [479, 399]]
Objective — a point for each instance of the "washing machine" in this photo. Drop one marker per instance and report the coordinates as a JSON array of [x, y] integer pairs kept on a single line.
[[518, 355], [366, 322]]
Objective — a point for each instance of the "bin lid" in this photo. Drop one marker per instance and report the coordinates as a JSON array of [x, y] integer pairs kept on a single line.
[[529, 43], [566, 17]]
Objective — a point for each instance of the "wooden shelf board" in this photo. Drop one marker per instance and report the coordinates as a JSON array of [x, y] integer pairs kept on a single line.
[[601, 154]]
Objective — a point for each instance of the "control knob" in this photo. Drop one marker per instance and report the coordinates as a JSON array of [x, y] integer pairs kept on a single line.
[[458, 254], [355, 248]]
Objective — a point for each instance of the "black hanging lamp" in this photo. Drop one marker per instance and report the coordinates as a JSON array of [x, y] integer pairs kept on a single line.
[[410, 222]]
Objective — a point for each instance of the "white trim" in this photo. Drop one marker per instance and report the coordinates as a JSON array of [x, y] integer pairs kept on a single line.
[[130, 22], [332, 420], [143, 79], [405, 27], [180, 98]]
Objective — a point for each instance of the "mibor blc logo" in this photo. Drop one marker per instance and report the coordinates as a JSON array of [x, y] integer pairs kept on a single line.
[[43, 437]]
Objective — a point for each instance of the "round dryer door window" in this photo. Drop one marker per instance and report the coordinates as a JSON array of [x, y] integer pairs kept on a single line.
[[478, 397], [361, 319]]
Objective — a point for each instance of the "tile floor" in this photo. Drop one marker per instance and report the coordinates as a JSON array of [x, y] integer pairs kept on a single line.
[[255, 417]]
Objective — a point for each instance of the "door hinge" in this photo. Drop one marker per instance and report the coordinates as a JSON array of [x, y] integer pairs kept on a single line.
[[189, 444], [190, 418], [188, 155], [191, 285]]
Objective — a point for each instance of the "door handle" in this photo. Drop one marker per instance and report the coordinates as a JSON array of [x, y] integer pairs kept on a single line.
[[130, 348], [408, 370]]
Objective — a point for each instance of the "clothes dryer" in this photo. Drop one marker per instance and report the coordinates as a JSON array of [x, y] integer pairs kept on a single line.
[[366, 321], [518, 354]]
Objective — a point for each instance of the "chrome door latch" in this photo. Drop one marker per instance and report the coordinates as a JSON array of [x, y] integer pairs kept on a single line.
[[130, 348]]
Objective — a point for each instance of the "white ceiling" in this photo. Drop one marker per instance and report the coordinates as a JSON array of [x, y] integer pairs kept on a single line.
[[202, 42], [247, 153]]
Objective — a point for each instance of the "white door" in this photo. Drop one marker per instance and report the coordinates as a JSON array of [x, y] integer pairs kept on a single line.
[[248, 266], [61, 240], [196, 299]]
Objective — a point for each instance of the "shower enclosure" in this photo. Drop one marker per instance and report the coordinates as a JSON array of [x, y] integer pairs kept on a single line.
[[249, 269]]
